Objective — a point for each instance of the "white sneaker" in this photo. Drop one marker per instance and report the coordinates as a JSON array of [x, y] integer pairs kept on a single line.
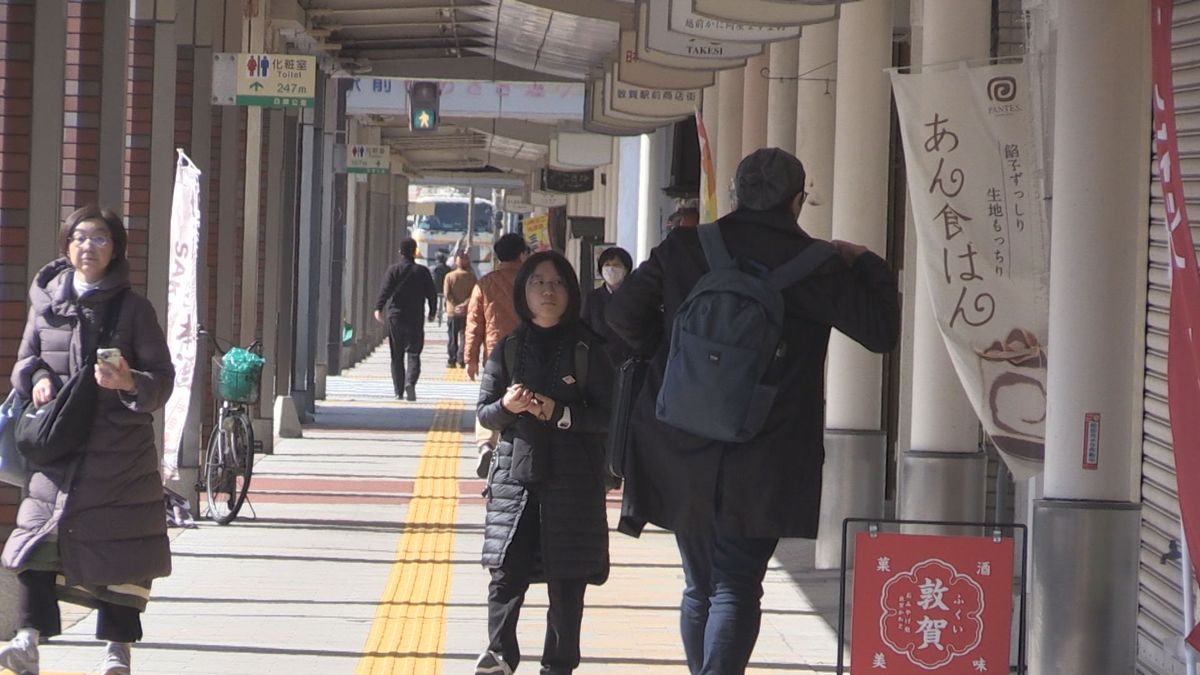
[[117, 659], [491, 663], [20, 656]]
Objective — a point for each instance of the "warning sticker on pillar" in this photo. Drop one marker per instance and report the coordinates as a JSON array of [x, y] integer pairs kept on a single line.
[[974, 179], [1091, 441], [926, 603]]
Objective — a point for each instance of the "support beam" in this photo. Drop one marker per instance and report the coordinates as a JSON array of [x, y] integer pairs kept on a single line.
[[1097, 287], [854, 396], [815, 104], [781, 95], [731, 86], [943, 473]]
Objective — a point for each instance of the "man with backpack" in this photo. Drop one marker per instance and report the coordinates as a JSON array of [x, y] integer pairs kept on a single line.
[[726, 433]]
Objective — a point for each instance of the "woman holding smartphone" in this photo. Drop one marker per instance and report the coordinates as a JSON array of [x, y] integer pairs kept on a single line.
[[547, 389], [91, 530]]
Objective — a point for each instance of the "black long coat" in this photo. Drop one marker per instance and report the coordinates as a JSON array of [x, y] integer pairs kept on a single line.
[[574, 523], [595, 304], [769, 486], [105, 501]]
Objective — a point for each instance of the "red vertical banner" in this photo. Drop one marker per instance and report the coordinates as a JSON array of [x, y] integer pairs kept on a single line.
[[926, 603], [708, 175], [1183, 379]]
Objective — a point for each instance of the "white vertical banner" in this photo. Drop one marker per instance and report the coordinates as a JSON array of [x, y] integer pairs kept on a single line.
[[181, 307], [974, 180]]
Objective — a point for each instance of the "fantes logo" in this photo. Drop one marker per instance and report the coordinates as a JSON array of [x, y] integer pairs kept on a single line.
[[1002, 89]]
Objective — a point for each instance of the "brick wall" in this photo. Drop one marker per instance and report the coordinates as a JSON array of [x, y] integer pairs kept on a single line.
[[81, 104], [16, 100], [139, 117], [16, 103]]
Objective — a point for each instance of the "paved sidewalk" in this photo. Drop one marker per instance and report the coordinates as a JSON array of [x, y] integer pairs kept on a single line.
[[363, 559]]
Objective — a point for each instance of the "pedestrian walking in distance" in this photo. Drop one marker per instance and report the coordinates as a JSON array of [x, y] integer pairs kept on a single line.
[[457, 288], [440, 270], [727, 431], [407, 287], [614, 266], [491, 315]]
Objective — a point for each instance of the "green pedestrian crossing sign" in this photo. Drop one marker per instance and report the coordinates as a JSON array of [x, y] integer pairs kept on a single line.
[[423, 106]]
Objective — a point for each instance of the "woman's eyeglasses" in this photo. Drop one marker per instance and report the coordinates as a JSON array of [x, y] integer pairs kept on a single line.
[[96, 239]]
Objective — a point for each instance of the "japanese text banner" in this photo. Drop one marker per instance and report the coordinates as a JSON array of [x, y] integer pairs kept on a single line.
[[1183, 355], [181, 309], [974, 180]]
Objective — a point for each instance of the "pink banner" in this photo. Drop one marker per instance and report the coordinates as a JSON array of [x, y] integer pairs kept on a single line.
[[1183, 379]]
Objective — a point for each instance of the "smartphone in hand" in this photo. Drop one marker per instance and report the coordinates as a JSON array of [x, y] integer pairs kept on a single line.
[[109, 355]]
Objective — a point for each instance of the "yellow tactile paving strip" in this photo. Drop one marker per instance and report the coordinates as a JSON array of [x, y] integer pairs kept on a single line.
[[410, 624], [456, 375]]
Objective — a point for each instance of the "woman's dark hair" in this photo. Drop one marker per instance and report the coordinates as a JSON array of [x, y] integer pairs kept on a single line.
[[116, 230], [564, 269], [510, 247], [615, 252]]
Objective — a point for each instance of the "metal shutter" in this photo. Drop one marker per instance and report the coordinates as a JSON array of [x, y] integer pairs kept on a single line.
[[1160, 598]]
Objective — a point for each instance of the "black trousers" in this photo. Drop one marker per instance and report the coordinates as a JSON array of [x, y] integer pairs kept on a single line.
[[457, 329], [407, 340], [506, 594], [39, 610]]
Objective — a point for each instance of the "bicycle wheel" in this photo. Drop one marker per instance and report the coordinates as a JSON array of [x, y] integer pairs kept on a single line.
[[228, 467]]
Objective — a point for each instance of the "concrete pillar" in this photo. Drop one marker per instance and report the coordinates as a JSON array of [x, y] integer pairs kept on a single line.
[[1086, 529], [815, 103], [115, 44], [46, 132], [853, 415], [648, 189], [325, 287], [781, 95], [944, 459], [162, 155], [754, 104], [229, 172], [628, 201], [307, 268], [731, 84], [337, 255], [254, 37]]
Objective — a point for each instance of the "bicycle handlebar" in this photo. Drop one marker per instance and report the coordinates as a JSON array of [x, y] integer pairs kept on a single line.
[[255, 347]]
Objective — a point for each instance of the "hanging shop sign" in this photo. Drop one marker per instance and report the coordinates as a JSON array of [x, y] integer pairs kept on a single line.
[[768, 12], [648, 54], [685, 21], [182, 310], [632, 70], [545, 101], [569, 182], [644, 102], [547, 200], [661, 38], [537, 232], [597, 121], [513, 204]]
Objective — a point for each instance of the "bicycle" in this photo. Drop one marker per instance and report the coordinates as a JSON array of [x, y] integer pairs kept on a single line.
[[229, 460]]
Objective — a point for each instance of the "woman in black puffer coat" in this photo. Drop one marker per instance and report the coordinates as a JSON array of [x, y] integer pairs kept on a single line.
[[547, 389]]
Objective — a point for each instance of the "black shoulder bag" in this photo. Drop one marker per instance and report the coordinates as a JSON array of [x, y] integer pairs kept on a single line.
[[59, 428]]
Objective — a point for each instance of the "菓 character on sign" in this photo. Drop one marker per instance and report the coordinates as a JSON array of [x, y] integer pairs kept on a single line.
[[884, 564]]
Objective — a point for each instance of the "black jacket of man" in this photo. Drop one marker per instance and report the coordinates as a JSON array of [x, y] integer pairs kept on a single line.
[[406, 287], [769, 486]]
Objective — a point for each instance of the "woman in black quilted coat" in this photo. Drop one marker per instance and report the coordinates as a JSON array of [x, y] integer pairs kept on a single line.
[[547, 389]]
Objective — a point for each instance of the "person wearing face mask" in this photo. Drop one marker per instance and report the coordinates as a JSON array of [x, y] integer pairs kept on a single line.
[[615, 265], [91, 529]]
